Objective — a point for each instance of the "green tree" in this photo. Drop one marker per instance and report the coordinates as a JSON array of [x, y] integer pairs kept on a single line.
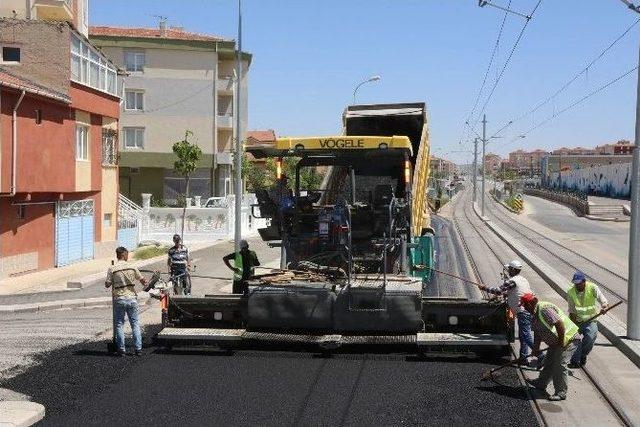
[[189, 154]]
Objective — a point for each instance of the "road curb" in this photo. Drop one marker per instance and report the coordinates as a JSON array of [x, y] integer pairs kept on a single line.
[[20, 413], [613, 329], [143, 298], [605, 218]]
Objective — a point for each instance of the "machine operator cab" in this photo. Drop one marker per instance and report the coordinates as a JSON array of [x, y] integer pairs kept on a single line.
[[358, 219]]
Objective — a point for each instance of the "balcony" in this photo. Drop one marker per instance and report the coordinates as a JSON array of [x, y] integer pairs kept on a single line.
[[225, 85], [225, 121], [224, 158], [55, 10]]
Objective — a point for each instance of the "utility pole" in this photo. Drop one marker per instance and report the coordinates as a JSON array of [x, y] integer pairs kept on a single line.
[[484, 159], [475, 169], [238, 157], [633, 292]]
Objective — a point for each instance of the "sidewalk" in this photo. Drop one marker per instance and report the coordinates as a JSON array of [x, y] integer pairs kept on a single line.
[[52, 285]]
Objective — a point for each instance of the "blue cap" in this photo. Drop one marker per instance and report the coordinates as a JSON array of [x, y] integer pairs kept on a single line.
[[578, 277]]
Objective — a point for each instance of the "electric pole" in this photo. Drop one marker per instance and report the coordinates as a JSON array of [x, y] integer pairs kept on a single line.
[[484, 159], [633, 292], [475, 169], [238, 157]]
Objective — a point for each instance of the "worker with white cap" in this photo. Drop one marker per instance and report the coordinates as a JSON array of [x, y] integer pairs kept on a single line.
[[514, 286]]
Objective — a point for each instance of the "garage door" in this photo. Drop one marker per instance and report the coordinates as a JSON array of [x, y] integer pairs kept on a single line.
[[74, 232]]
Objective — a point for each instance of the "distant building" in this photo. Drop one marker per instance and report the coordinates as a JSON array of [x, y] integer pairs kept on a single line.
[[620, 148], [259, 137], [74, 12], [576, 151], [177, 80], [525, 162], [492, 162], [442, 166], [58, 164]]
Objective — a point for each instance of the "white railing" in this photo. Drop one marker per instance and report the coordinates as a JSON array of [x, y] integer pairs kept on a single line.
[[200, 224]]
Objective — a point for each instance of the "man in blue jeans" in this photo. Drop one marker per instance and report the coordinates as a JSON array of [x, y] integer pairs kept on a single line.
[[121, 278], [514, 286]]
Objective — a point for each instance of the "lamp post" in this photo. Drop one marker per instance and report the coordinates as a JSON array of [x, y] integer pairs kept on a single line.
[[238, 157], [369, 80]]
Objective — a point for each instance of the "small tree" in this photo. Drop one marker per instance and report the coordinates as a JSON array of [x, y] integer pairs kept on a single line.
[[189, 154]]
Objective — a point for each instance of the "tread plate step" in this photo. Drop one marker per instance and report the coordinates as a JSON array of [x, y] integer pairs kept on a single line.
[[460, 339]]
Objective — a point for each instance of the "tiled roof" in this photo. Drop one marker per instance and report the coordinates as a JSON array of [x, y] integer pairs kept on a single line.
[[152, 33], [11, 80], [262, 136]]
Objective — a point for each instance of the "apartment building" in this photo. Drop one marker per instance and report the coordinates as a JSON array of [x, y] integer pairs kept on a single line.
[[59, 109], [492, 162], [526, 162], [177, 80]]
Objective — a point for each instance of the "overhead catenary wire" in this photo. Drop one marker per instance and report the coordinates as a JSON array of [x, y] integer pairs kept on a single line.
[[581, 100], [506, 63], [566, 85], [491, 59]]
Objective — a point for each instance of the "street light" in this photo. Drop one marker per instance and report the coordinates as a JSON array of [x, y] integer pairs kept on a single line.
[[369, 80]]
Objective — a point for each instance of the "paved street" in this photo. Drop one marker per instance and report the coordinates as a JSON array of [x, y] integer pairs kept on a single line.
[[80, 384], [208, 262]]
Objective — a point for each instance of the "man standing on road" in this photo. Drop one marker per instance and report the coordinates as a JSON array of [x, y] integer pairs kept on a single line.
[[121, 278], [243, 268], [582, 298], [178, 262], [514, 287], [553, 327]]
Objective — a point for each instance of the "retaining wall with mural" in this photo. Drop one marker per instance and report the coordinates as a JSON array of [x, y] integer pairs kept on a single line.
[[613, 180]]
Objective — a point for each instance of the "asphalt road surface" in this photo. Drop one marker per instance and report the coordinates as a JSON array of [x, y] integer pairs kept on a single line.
[[82, 385]]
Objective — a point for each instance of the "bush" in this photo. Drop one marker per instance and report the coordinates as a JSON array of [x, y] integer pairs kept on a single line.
[[150, 252]]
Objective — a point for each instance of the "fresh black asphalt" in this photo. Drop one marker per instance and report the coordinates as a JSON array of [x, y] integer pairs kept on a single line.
[[83, 385]]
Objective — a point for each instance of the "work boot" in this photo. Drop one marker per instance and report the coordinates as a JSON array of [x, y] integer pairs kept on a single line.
[[119, 353], [523, 361], [574, 365], [138, 353], [583, 361], [562, 395], [535, 384]]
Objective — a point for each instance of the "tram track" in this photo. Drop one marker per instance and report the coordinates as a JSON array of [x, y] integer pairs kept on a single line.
[[559, 254], [610, 400]]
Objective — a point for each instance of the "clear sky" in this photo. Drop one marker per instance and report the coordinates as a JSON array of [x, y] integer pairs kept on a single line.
[[309, 55]]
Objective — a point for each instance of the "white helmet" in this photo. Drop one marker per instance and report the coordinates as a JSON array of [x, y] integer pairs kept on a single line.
[[515, 264]]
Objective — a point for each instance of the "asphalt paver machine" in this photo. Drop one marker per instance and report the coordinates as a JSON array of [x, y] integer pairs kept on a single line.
[[356, 252]]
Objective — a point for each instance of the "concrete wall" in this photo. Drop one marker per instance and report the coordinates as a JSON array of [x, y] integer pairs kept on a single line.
[[612, 180], [45, 51]]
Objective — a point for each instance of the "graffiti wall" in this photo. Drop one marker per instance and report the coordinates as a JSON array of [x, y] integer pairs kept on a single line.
[[612, 180]]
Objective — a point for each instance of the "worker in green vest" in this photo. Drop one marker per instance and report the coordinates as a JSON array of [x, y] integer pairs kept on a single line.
[[583, 298], [244, 263], [553, 327]]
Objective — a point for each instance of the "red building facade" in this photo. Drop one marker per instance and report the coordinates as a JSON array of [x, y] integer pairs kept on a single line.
[[58, 149]]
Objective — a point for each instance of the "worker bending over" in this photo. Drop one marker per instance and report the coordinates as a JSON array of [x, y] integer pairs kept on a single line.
[[582, 298], [513, 288], [553, 327], [244, 266], [121, 278]]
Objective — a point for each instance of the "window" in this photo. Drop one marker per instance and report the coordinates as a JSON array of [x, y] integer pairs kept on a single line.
[[82, 142], [22, 211], [106, 221], [38, 116], [10, 54], [134, 61], [109, 147], [134, 100], [133, 137], [91, 68]]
